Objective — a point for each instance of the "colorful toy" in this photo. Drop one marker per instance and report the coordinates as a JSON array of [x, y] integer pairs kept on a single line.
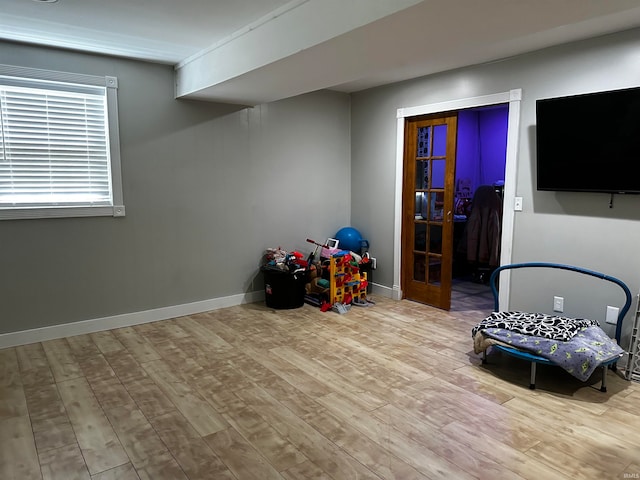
[[313, 254], [348, 285]]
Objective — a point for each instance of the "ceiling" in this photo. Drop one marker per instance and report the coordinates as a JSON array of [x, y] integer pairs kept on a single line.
[[255, 51]]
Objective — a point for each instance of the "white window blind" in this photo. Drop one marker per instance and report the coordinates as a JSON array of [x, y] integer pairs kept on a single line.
[[55, 147]]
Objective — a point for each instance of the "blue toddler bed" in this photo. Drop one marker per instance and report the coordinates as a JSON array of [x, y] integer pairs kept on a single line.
[[579, 346]]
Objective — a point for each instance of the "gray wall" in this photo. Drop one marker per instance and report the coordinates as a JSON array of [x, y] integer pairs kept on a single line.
[[206, 188], [572, 228]]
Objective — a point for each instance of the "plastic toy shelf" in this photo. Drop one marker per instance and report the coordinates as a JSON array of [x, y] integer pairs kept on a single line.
[[346, 281]]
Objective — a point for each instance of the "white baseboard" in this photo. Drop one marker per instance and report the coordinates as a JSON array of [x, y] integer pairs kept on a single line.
[[25, 337]]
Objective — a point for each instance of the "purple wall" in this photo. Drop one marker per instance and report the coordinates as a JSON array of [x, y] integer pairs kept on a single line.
[[482, 146]]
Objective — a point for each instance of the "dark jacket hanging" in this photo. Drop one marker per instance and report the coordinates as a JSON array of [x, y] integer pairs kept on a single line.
[[484, 227]]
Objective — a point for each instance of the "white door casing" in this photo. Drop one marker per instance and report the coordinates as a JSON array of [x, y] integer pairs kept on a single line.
[[512, 98]]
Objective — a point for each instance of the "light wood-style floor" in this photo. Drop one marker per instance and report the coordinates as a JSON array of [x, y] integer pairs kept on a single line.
[[389, 392]]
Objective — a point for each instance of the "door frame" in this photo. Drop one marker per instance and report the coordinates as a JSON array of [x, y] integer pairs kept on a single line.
[[512, 98]]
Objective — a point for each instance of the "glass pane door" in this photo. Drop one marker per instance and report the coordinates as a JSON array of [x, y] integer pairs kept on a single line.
[[427, 205]]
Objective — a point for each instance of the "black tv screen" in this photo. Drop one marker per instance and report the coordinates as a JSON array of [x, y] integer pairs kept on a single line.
[[589, 143]]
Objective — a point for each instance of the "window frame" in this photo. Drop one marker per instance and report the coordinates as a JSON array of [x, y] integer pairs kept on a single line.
[[117, 208]]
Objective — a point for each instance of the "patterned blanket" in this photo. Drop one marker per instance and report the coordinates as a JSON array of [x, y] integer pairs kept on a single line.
[[537, 324], [580, 356]]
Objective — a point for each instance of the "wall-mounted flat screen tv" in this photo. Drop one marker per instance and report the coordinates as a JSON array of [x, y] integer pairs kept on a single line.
[[589, 143]]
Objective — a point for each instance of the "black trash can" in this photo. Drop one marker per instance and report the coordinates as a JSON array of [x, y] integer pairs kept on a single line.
[[283, 289]]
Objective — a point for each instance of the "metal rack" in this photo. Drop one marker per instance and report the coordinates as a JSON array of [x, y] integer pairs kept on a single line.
[[633, 365]]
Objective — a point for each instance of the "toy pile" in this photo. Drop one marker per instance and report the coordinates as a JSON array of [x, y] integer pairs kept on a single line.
[[335, 280], [348, 281], [285, 277], [279, 259]]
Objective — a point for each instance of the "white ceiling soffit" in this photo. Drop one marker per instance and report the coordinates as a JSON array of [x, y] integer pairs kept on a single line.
[[162, 31], [350, 46], [288, 34]]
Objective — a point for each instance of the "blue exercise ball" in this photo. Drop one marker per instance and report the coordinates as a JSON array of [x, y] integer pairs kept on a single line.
[[350, 239]]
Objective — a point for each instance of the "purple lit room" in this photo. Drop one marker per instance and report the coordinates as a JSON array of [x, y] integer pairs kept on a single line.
[[480, 165]]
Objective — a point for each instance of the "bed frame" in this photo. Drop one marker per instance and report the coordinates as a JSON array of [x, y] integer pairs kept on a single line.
[[535, 359]]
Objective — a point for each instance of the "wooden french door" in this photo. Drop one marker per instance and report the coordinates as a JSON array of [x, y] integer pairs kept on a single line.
[[427, 209]]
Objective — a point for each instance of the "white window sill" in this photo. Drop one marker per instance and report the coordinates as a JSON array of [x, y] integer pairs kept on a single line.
[[61, 212]]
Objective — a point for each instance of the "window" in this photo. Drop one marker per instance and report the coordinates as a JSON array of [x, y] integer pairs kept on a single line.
[[59, 146]]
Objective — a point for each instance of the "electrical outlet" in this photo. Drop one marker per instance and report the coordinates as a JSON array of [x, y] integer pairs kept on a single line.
[[558, 304], [517, 204], [612, 315]]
